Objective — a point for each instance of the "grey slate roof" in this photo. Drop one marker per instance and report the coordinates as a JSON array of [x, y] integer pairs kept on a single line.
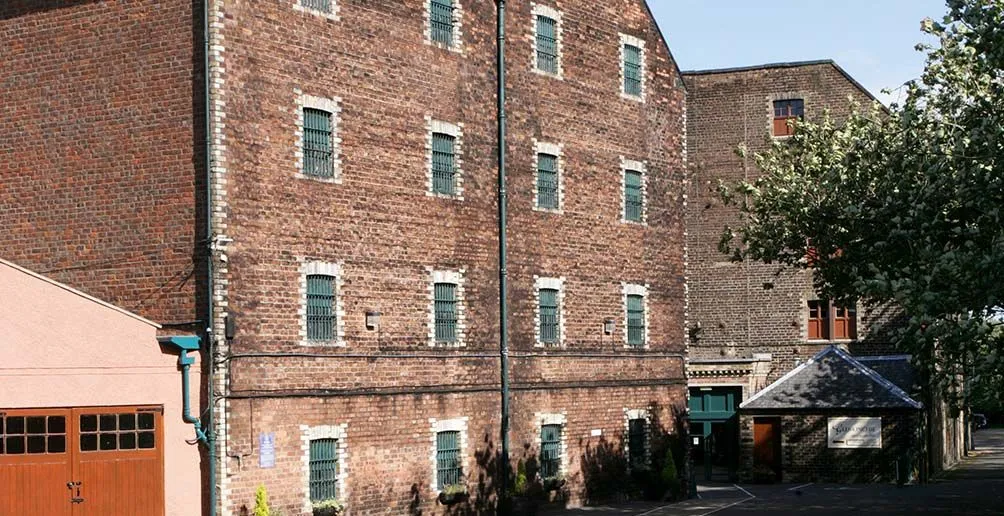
[[832, 379], [897, 369]]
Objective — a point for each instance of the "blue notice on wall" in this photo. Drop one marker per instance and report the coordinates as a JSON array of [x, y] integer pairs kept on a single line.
[[266, 450]]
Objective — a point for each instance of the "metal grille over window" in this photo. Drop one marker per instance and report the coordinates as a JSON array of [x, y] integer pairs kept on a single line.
[[636, 320], [443, 164], [107, 432], [549, 324], [32, 434], [318, 5], [632, 70], [320, 307], [446, 312], [632, 196], [547, 45], [547, 181], [636, 442], [441, 21], [448, 468], [323, 469], [550, 451], [318, 153]]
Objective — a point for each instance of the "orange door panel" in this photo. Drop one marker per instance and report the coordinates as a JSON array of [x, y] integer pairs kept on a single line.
[[35, 462]]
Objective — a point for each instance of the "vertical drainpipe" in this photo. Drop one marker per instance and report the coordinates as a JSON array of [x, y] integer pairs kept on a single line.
[[503, 313], [210, 341]]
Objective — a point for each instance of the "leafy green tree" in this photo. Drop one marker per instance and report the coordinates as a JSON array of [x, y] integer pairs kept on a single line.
[[261, 507], [901, 206]]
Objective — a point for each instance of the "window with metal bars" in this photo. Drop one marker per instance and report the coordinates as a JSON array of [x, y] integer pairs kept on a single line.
[[550, 451], [446, 312], [550, 331], [635, 320], [320, 307], [449, 470], [547, 45], [637, 440], [441, 21], [323, 469], [443, 164], [318, 5], [633, 199], [632, 70], [318, 151], [547, 181]]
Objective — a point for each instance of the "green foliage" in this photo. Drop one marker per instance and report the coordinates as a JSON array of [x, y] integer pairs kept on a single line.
[[261, 507], [670, 478], [330, 507], [454, 489], [520, 484], [902, 207]]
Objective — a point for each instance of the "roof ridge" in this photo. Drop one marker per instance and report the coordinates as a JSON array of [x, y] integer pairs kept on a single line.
[[786, 376], [878, 378]]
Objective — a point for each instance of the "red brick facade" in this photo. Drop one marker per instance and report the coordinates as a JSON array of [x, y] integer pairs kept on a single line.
[[385, 232], [102, 153], [741, 309]]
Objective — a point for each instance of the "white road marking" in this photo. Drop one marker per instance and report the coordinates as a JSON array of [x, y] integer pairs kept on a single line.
[[749, 494], [801, 486]]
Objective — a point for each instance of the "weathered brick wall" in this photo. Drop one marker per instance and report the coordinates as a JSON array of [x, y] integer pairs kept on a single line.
[[806, 458], [744, 308], [386, 232], [101, 152]]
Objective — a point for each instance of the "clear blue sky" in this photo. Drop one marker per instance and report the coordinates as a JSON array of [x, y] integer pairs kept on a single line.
[[873, 40]]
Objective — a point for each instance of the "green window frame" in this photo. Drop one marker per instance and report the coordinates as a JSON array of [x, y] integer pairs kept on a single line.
[[635, 320], [449, 469], [444, 164], [445, 312], [547, 181], [550, 322], [550, 451], [324, 468], [323, 6], [441, 21], [637, 441], [633, 196], [318, 148], [547, 44], [632, 70], [320, 307]]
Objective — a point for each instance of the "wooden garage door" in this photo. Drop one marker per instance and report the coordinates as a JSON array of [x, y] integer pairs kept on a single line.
[[105, 461]]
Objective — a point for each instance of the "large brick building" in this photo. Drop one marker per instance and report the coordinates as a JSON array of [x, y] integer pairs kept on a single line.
[[352, 236], [752, 323]]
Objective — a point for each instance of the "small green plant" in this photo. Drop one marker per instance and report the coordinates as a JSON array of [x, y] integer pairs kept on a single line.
[[520, 485], [454, 489], [670, 478], [330, 507], [261, 507]]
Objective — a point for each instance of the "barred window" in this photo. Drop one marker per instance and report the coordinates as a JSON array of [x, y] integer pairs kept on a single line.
[[547, 45], [320, 307], [635, 320], [449, 470], [632, 70], [446, 312], [550, 451], [443, 164], [441, 21], [323, 469], [547, 181], [323, 6], [549, 316], [318, 150], [637, 437], [633, 196]]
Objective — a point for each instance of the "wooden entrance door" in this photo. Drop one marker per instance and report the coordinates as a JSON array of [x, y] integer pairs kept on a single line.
[[105, 461], [767, 443]]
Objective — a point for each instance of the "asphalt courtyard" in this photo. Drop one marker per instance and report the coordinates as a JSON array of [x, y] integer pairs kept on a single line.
[[975, 487]]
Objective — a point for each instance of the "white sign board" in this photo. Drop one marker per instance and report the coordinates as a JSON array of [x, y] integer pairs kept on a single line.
[[854, 432]]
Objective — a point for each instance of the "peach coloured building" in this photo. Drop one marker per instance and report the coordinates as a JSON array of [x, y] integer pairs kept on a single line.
[[90, 407]]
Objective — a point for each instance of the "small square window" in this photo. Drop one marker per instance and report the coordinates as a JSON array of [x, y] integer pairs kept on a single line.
[[324, 6], [785, 110]]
